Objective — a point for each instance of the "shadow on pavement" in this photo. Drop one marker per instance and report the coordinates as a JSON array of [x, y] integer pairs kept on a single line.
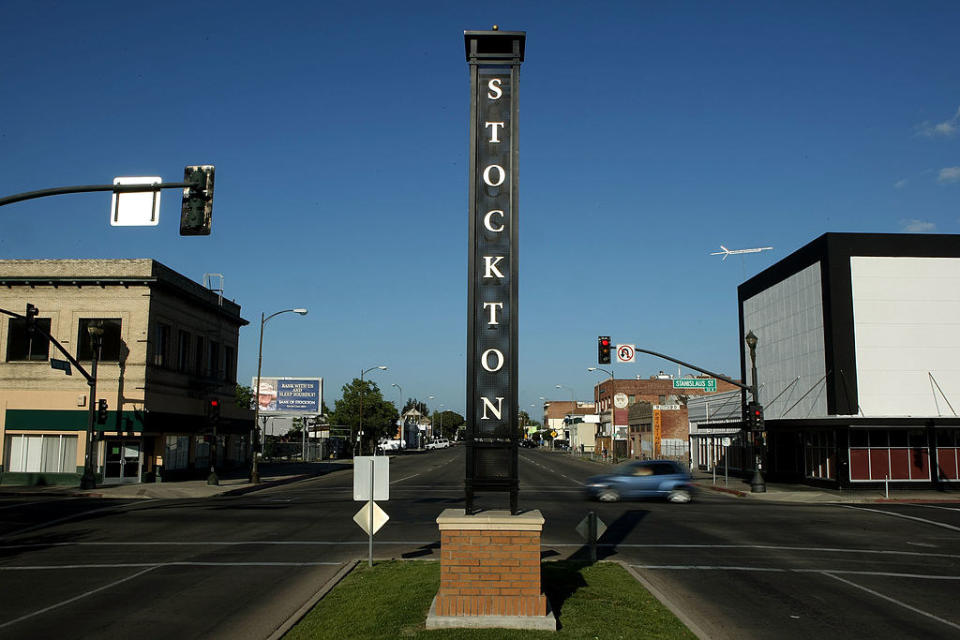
[[616, 532]]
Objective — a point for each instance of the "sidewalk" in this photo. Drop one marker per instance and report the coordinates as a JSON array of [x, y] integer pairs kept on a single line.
[[232, 483], [782, 492]]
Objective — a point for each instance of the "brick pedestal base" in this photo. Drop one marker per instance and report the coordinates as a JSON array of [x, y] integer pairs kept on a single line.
[[490, 571]]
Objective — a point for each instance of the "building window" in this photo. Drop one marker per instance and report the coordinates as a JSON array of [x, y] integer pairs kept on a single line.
[[633, 399], [213, 370], [229, 364], [23, 347], [199, 360], [161, 345], [183, 351], [110, 351], [877, 454], [41, 454], [661, 399]]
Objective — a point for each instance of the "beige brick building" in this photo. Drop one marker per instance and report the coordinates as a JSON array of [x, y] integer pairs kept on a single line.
[[169, 347]]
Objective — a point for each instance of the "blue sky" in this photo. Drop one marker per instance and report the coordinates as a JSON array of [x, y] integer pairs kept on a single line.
[[650, 133]]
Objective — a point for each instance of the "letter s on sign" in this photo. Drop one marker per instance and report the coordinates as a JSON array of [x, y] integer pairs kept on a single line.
[[495, 90]]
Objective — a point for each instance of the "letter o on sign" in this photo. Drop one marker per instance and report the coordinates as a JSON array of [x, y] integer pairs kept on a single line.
[[485, 358], [500, 172]]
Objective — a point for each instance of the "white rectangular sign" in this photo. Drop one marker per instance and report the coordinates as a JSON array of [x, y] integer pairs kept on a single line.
[[371, 471], [140, 209]]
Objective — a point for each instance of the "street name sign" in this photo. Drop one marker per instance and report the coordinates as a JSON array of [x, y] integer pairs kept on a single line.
[[709, 385]]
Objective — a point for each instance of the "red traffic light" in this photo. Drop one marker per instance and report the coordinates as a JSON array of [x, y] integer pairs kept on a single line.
[[605, 342], [214, 403]]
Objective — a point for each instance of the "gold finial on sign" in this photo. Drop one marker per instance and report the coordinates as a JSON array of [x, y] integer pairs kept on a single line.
[[496, 27]]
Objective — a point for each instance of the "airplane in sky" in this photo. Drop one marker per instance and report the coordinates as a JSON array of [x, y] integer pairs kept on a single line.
[[730, 252]]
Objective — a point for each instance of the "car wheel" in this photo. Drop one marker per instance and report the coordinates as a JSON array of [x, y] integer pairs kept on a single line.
[[679, 496], [608, 495]]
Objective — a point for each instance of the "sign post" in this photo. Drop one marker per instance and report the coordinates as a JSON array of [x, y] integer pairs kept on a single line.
[[371, 481], [492, 426]]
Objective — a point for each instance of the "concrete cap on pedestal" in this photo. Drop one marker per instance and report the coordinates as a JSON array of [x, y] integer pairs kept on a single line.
[[452, 519]]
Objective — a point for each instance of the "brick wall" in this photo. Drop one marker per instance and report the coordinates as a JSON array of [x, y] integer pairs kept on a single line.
[[490, 572]]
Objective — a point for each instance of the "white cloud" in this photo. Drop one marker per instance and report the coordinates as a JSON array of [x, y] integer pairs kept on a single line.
[[949, 174], [917, 226], [900, 184], [944, 129]]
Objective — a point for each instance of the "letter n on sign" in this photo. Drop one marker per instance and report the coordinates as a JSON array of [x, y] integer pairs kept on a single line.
[[494, 58]]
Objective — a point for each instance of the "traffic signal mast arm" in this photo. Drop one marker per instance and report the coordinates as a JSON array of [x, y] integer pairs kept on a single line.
[[116, 188], [59, 346], [745, 387]]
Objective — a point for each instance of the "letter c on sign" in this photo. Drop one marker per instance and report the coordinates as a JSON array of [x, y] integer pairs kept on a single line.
[[488, 221], [486, 356], [486, 175]]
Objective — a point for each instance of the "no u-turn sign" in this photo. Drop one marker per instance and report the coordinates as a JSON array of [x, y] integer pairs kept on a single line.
[[625, 352]]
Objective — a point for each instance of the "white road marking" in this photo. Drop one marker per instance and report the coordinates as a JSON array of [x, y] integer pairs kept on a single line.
[[74, 599], [699, 567], [760, 547], [933, 506], [156, 565], [402, 479], [899, 515], [215, 543], [893, 600]]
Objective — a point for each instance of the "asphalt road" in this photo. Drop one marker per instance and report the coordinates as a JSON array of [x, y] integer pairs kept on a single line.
[[240, 566]]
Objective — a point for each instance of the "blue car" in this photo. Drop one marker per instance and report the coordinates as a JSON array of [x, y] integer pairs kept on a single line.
[[663, 479]]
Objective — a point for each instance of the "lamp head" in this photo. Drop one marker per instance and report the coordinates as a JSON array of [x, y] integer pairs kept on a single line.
[[591, 368], [302, 312], [382, 368], [751, 340]]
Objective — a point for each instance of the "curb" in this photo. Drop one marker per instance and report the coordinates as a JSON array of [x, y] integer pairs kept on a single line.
[[266, 485], [665, 601], [736, 492], [309, 604]]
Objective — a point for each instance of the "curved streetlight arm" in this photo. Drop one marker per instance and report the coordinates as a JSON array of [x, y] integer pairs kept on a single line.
[[745, 387], [87, 188]]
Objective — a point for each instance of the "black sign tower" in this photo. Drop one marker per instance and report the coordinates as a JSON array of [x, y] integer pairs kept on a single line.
[[492, 426]]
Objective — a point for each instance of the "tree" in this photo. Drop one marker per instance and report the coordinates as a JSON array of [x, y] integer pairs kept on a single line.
[[379, 416], [445, 423], [414, 403], [244, 396]]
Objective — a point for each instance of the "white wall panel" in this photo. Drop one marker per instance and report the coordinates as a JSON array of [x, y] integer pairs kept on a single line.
[[788, 321], [907, 325]]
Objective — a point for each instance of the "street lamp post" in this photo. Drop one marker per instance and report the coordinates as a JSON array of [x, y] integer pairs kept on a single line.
[[573, 409], [89, 480], [757, 483], [613, 421], [362, 373], [254, 471], [400, 411]]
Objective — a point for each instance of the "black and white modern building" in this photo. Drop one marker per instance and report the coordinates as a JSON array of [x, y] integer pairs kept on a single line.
[[858, 360]]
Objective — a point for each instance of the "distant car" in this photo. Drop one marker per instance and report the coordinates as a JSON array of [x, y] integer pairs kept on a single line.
[[439, 443], [662, 479], [391, 445]]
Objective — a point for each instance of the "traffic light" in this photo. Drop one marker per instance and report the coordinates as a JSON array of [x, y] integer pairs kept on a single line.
[[213, 411], [755, 416], [603, 349], [196, 210], [101, 411], [31, 317]]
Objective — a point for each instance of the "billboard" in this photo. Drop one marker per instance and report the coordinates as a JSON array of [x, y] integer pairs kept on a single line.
[[289, 396]]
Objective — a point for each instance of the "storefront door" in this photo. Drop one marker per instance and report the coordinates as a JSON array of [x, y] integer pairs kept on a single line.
[[122, 461]]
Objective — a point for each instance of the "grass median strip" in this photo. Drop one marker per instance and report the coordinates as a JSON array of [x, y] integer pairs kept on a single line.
[[391, 600]]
